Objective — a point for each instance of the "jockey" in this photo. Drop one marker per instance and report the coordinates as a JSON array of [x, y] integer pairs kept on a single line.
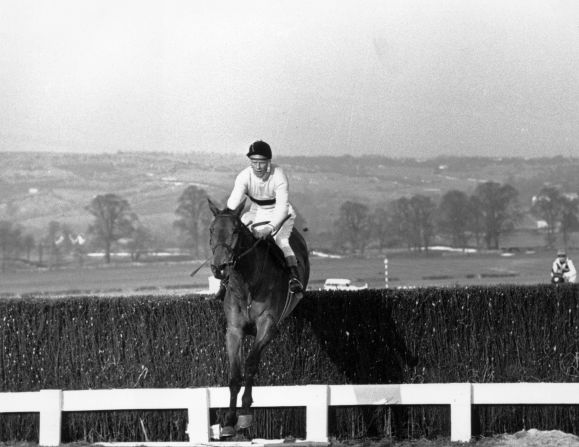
[[564, 266], [266, 185]]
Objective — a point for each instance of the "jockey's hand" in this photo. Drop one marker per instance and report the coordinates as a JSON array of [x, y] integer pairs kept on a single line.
[[263, 231]]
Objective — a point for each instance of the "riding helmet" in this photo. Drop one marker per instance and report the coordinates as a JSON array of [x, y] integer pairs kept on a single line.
[[260, 148]]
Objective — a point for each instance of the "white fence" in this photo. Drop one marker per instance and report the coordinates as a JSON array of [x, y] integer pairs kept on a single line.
[[316, 398]]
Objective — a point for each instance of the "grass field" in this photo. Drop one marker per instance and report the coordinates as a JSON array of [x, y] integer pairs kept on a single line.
[[404, 270]]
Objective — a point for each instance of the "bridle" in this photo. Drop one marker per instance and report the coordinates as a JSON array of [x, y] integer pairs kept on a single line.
[[231, 246]]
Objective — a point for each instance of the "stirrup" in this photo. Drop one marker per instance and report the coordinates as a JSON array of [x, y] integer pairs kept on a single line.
[[295, 285]]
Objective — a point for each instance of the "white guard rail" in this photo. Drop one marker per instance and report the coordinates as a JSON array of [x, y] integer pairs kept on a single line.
[[316, 398]]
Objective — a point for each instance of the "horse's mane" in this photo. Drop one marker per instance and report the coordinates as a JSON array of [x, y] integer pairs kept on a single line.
[[227, 212]]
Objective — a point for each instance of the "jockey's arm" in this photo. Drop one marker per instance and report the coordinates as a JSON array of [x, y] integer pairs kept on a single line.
[[572, 272], [281, 202], [238, 192]]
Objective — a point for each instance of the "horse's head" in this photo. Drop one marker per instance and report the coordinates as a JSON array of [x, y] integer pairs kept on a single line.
[[226, 238]]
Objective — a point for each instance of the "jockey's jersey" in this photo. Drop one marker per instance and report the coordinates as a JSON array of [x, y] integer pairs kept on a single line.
[[561, 267], [270, 192]]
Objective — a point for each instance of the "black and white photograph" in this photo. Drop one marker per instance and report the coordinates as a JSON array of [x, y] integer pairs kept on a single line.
[[326, 223]]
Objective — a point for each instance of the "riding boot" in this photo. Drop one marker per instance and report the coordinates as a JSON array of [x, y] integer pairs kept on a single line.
[[220, 294]]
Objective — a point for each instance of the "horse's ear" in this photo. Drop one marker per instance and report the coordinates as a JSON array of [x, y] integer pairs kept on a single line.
[[213, 207], [239, 208]]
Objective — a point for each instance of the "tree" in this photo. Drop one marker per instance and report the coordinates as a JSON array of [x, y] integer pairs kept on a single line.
[[422, 214], [139, 241], [569, 219], [10, 241], [499, 208], [453, 217], [28, 243], [113, 220], [476, 219], [548, 205], [353, 225], [194, 218], [382, 227], [402, 222]]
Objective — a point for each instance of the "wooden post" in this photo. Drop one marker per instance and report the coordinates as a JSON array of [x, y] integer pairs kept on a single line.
[[317, 413], [50, 418], [198, 415], [460, 413]]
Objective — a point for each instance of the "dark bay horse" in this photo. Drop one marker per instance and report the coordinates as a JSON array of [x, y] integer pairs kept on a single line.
[[257, 298]]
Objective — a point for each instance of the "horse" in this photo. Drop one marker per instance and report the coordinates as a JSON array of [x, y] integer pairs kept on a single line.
[[257, 300]]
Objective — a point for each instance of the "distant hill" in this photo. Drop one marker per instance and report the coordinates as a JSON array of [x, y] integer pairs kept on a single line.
[[36, 188]]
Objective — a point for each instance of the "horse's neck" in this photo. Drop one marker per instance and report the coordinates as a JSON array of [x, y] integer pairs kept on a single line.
[[253, 263]]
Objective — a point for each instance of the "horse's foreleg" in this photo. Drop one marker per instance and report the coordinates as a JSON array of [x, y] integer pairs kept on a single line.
[[266, 330], [233, 343]]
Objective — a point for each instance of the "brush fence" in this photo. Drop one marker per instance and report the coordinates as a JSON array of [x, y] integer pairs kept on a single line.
[[316, 398]]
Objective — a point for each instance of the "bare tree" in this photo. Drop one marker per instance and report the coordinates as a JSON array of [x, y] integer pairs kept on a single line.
[[499, 208], [422, 215], [139, 241], [382, 227], [403, 223], [10, 241], [28, 243], [353, 225], [548, 205], [113, 220], [194, 218], [476, 219], [569, 217], [453, 217]]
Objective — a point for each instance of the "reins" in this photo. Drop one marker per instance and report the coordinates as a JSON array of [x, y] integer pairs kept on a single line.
[[236, 259]]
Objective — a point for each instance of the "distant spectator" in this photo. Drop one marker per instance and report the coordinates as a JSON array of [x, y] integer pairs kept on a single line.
[[563, 268]]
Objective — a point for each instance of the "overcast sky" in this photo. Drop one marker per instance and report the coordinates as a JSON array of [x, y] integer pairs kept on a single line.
[[414, 78]]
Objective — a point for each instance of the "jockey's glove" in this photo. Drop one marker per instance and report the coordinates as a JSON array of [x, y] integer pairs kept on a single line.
[[263, 231]]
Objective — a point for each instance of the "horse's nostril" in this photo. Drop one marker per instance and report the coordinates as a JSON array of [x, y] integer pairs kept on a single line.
[[219, 271]]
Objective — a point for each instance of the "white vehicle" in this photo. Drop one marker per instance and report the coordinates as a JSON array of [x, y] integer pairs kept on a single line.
[[341, 284]]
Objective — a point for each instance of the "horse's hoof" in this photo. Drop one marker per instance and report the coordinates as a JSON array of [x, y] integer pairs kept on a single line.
[[244, 421], [227, 432]]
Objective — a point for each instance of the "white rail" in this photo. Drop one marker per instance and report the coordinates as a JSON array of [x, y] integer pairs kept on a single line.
[[316, 398]]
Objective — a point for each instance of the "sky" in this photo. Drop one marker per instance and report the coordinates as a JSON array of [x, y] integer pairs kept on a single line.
[[401, 78]]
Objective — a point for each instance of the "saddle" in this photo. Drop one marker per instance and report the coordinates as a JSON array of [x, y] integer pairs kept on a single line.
[[277, 253]]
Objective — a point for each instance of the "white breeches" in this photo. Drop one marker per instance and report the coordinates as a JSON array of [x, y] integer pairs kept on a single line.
[[258, 214]]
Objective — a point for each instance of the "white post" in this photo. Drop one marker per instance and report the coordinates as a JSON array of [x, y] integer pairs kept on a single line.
[[386, 271], [317, 413], [50, 418], [460, 413], [198, 415]]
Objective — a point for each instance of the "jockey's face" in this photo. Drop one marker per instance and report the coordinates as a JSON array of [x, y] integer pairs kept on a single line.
[[260, 165]]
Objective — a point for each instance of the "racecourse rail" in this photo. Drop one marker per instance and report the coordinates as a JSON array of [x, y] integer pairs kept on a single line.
[[316, 398]]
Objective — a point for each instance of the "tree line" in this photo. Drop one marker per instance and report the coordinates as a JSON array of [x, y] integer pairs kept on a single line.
[[415, 222], [458, 219], [115, 227]]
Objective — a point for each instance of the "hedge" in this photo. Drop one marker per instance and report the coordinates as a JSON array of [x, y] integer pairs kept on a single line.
[[431, 335]]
